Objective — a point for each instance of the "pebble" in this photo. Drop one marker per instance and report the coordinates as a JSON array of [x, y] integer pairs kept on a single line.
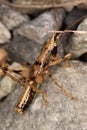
[[22, 49], [10, 17], [4, 34], [74, 15], [78, 41]]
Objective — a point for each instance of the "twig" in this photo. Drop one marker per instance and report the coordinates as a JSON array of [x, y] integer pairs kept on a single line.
[[73, 3]]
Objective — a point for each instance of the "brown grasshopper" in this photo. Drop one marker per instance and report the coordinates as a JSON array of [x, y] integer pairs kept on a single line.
[[36, 74]]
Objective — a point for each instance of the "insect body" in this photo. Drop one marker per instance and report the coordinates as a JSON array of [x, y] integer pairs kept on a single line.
[[36, 76], [24, 99]]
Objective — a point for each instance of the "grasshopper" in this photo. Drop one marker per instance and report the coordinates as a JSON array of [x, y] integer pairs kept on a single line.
[[36, 73]]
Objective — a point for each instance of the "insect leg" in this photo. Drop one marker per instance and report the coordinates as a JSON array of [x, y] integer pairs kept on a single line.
[[57, 61], [21, 73], [61, 87], [41, 92], [20, 80]]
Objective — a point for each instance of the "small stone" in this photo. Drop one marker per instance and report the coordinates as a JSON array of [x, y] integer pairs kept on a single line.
[[74, 15], [78, 41], [22, 49], [4, 34], [10, 17], [38, 29]]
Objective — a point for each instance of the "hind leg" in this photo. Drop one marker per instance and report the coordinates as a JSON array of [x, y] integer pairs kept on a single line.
[[43, 93], [68, 94]]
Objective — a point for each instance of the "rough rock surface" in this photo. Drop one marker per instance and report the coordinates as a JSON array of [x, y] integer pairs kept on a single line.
[[22, 49], [10, 17], [38, 29], [61, 112], [78, 41], [4, 34]]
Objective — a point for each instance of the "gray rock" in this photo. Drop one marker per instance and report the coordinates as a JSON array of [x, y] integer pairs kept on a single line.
[[22, 49], [38, 29], [10, 17], [4, 34], [74, 15], [61, 112], [78, 41]]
